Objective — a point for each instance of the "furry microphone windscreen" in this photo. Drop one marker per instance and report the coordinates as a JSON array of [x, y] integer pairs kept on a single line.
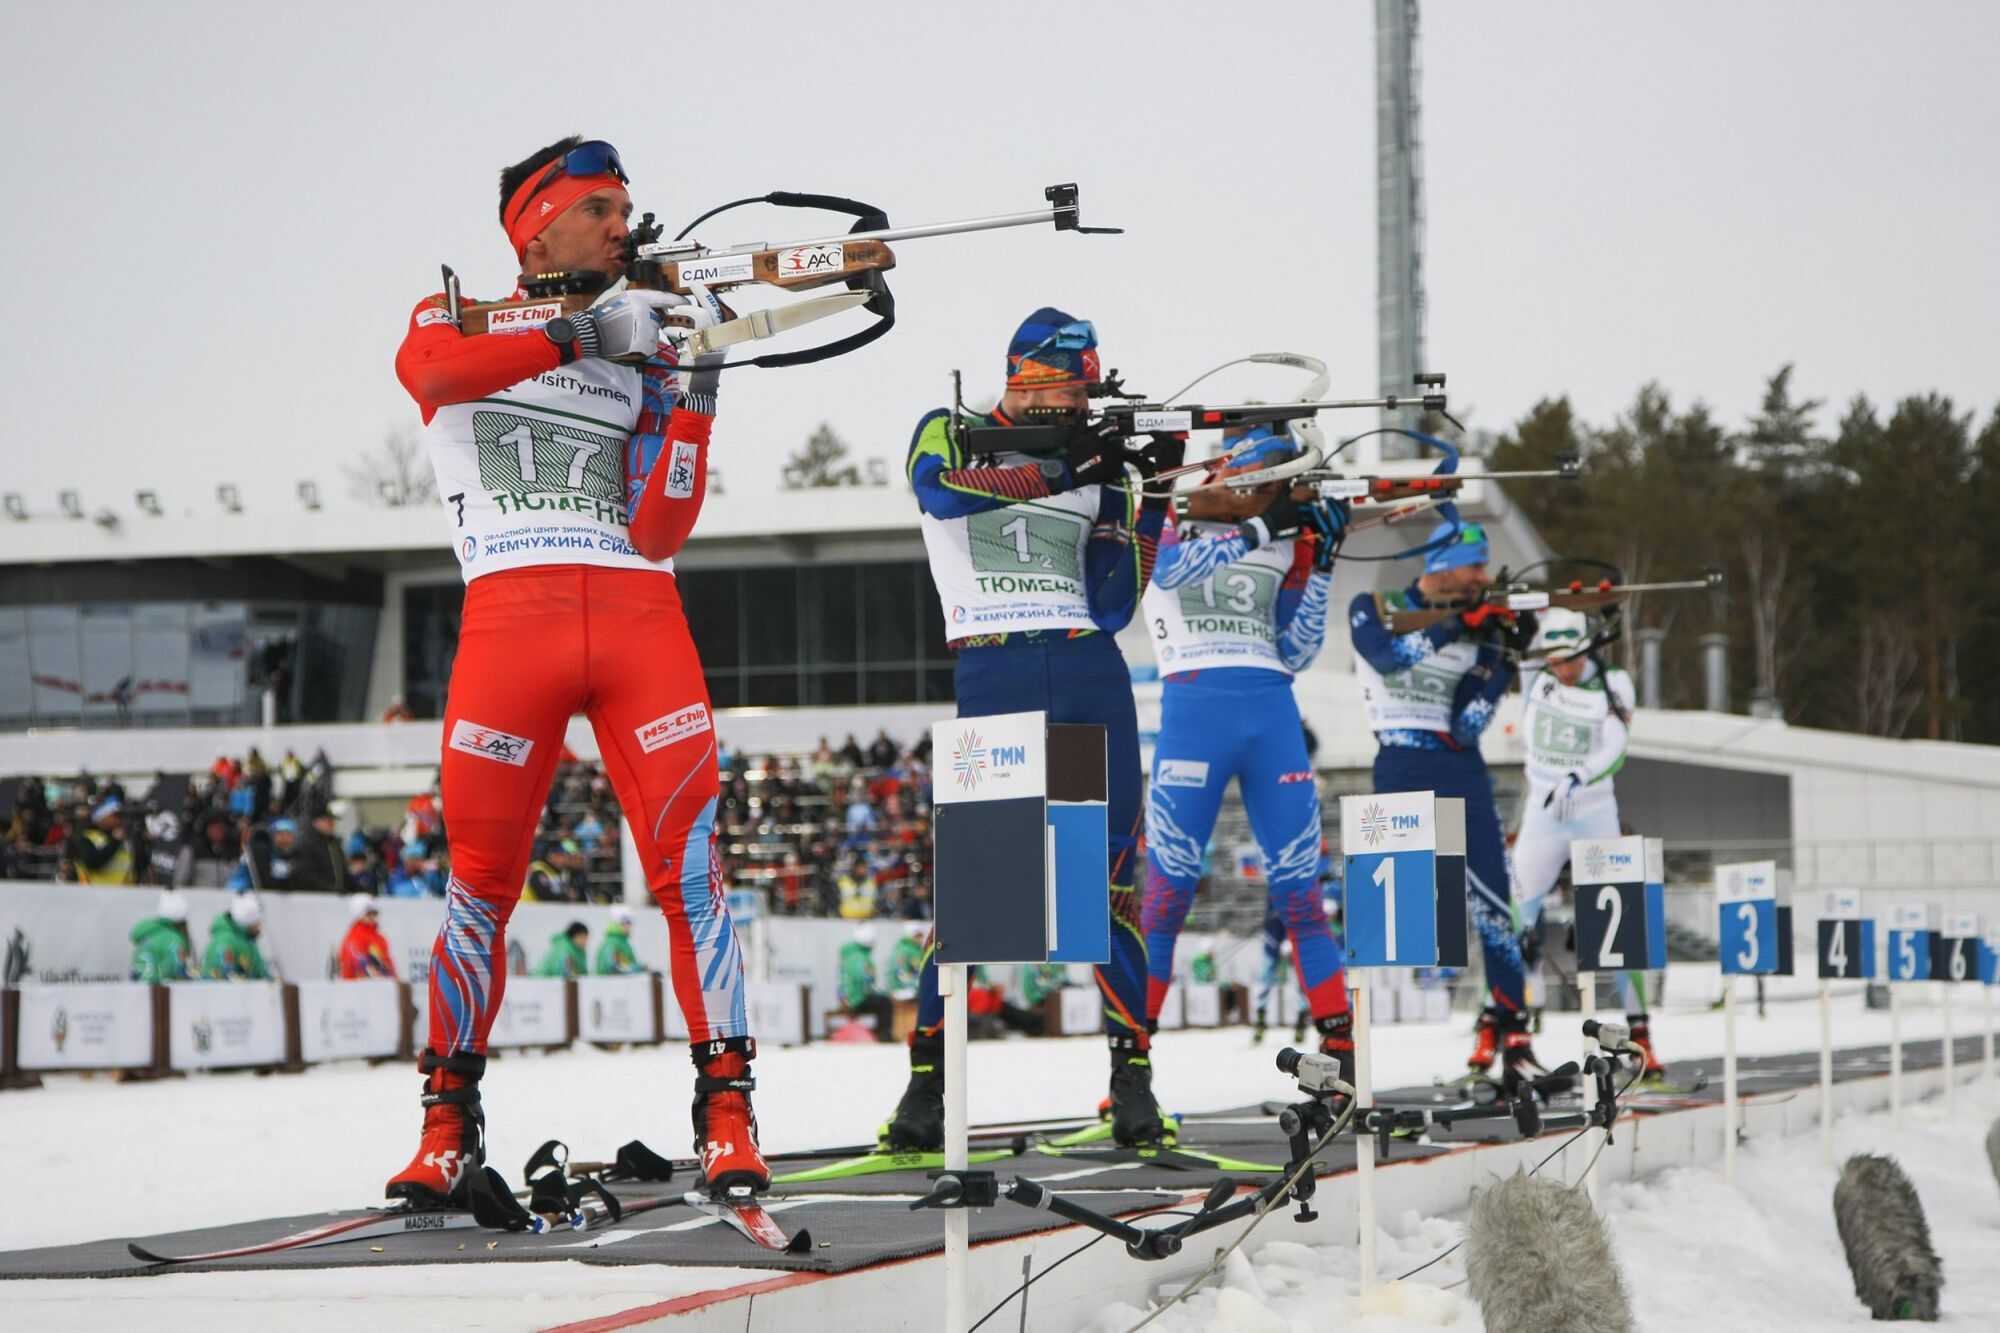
[[1538, 1260], [1881, 1221]]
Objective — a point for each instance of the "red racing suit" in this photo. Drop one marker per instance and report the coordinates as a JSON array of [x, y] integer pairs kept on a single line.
[[364, 952], [569, 488]]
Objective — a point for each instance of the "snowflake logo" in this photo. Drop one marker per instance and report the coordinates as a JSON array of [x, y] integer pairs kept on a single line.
[[1374, 824], [968, 760]]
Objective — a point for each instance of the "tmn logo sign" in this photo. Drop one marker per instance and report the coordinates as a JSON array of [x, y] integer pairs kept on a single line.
[[1005, 756]]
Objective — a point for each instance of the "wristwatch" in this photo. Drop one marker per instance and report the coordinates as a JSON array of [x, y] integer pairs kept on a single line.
[[562, 332]]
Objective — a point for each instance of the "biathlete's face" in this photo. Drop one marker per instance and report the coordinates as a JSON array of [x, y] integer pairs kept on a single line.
[[589, 234], [1217, 504], [1464, 581], [1568, 670], [1071, 398]]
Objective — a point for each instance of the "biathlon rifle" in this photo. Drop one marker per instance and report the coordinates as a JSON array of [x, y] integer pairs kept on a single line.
[[1050, 430], [1511, 593], [857, 258]]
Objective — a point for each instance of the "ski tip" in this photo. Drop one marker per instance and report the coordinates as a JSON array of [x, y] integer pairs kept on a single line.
[[800, 1243], [144, 1255]]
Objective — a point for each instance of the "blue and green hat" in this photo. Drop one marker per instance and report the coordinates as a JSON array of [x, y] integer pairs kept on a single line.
[[1263, 446], [1453, 545]]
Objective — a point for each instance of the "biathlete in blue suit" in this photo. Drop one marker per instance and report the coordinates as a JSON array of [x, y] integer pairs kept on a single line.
[[1039, 561], [1238, 603], [1430, 694]]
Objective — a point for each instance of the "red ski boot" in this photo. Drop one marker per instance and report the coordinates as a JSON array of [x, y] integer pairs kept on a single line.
[[725, 1128], [454, 1138], [1485, 1041], [1642, 1037], [1336, 1038], [1520, 1071]]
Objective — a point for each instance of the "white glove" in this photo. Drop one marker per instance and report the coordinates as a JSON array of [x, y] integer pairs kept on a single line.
[[1563, 799], [624, 326], [701, 378], [691, 315]]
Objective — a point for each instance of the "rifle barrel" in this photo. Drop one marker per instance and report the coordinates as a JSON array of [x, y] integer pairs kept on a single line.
[[994, 223]]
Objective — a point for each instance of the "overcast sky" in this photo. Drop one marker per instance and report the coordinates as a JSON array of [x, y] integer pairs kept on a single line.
[[218, 216]]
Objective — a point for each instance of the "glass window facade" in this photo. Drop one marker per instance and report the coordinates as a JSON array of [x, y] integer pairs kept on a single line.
[[832, 633], [172, 664], [769, 635]]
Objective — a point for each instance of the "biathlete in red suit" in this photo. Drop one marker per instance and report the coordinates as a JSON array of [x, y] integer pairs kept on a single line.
[[364, 951], [571, 462]]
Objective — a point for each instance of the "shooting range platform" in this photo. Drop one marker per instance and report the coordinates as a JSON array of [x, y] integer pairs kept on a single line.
[[864, 1222]]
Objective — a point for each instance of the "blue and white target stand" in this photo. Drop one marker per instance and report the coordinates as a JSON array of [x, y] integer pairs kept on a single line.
[[1656, 900], [1022, 876], [1909, 960], [1390, 842], [1453, 927], [1989, 977], [1613, 930], [1846, 949], [1955, 958], [1746, 896]]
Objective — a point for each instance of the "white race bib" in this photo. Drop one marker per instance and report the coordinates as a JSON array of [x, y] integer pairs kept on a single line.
[[535, 474], [1417, 698], [1015, 568], [1230, 619]]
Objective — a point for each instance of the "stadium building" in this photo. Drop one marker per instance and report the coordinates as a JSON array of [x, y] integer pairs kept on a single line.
[[145, 644]]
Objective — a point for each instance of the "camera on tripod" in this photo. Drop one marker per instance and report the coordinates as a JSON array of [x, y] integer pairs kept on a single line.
[[1318, 1075]]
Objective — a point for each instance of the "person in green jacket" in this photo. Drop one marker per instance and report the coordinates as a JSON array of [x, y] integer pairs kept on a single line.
[[858, 989], [615, 955], [568, 954], [233, 954], [160, 947], [906, 963], [1042, 980]]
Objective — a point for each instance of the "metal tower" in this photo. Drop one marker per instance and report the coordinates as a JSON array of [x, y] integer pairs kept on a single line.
[[1399, 208]]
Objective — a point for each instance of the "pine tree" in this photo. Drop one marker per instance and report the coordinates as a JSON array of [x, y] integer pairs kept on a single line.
[[819, 462]]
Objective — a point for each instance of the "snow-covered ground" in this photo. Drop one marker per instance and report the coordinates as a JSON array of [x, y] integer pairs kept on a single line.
[[1698, 1255], [136, 1159]]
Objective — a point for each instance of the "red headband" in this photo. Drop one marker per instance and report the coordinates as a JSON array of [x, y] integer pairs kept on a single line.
[[530, 212]]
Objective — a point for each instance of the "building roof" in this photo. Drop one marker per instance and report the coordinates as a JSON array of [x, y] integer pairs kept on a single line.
[[387, 537]]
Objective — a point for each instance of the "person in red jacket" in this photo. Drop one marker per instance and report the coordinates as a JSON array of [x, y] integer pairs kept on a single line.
[[571, 459], [364, 951]]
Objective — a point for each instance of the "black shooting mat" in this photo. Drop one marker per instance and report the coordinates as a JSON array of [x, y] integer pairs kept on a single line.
[[1245, 1135], [1756, 1076], [866, 1220], [847, 1234]]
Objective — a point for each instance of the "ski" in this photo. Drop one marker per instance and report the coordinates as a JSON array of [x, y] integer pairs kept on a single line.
[[375, 1223], [740, 1209], [1480, 1088], [875, 1163], [1181, 1159], [1096, 1133]]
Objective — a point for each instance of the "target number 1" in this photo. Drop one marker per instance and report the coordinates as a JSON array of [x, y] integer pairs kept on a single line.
[[1385, 878]]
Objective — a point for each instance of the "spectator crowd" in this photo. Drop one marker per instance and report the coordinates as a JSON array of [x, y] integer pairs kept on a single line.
[[842, 832]]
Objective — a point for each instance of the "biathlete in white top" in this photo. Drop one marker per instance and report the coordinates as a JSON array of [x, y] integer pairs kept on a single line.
[[1576, 720]]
